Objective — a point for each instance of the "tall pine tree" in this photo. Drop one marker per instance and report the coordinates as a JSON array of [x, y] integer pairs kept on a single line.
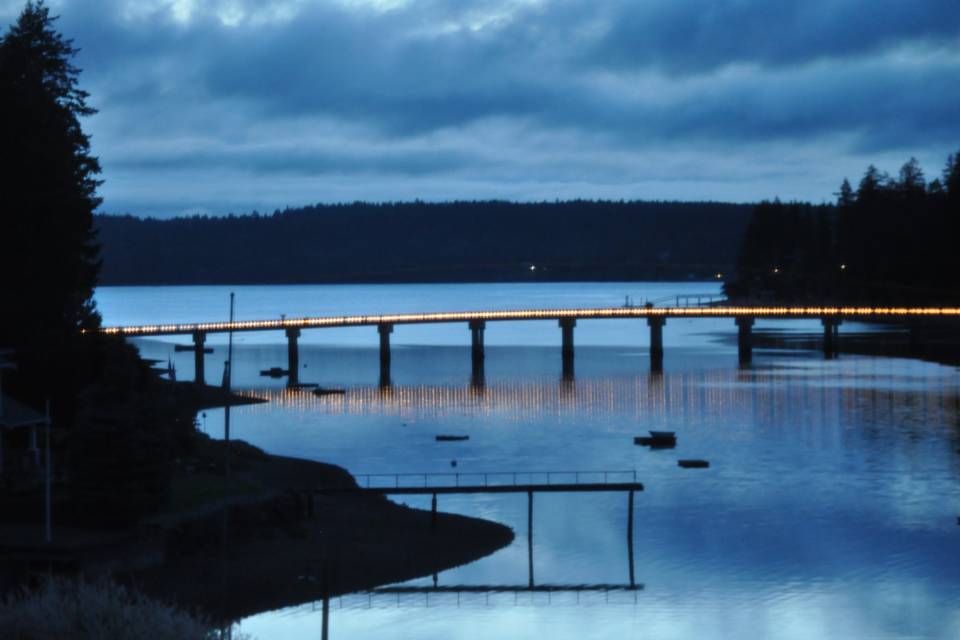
[[49, 261]]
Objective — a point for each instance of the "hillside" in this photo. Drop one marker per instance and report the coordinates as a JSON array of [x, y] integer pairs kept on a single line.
[[422, 242]]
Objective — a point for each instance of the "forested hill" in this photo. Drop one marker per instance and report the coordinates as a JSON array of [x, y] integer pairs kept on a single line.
[[423, 242]]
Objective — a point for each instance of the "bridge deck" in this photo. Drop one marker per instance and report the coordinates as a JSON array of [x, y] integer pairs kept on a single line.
[[852, 313]]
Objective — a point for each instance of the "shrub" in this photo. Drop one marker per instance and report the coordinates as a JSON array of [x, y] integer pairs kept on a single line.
[[76, 610]]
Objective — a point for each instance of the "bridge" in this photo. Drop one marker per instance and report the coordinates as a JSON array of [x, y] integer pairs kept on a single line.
[[656, 317]]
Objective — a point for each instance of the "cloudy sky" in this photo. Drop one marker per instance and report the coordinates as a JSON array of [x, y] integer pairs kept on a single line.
[[234, 105]]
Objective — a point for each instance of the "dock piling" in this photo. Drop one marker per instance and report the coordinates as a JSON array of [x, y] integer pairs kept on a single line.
[[530, 535]]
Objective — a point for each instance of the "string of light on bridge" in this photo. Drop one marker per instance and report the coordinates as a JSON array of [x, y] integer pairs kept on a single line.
[[857, 313]]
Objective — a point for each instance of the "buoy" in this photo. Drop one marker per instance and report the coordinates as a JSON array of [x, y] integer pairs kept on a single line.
[[693, 464], [453, 463]]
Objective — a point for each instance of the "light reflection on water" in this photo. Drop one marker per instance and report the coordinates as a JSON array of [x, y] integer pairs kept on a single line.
[[829, 509]]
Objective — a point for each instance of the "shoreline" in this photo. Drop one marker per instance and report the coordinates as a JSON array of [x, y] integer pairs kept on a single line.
[[238, 538], [934, 344], [245, 556]]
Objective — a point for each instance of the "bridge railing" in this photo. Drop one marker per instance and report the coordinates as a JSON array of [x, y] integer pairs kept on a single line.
[[699, 299], [493, 478]]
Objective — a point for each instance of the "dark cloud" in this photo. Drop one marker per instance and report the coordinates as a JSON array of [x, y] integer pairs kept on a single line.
[[509, 99], [697, 36]]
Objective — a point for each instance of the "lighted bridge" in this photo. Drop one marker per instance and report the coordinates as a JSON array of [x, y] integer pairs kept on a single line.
[[656, 317]]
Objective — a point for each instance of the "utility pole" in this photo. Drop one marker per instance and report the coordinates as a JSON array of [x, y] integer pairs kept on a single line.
[[47, 524], [227, 384]]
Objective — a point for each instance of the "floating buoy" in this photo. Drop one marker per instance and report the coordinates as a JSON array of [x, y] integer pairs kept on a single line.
[[693, 464], [443, 438]]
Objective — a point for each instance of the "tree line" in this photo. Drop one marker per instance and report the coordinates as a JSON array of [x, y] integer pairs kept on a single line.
[[892, 241], [479, 241]]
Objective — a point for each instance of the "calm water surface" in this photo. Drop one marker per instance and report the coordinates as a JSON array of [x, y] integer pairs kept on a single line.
[[829, 509]]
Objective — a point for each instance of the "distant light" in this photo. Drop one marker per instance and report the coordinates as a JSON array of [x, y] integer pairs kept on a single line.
[[719, 275], [533, 267], [843, 267], [776, 269]]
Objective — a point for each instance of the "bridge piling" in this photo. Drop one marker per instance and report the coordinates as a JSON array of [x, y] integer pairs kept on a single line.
[[293, 356], [199, 337], [566, 349], [656, 342], [831, 336], [477, 328], [745, 339], [385, 329]]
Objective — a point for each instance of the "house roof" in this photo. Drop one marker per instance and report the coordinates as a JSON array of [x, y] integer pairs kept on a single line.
[[16, 414]]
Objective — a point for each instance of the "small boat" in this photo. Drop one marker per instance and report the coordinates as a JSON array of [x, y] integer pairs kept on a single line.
[[447, 438], [274, 372], [655, 443], [328, 391], [657, 440], [302, 385], [693, 464]]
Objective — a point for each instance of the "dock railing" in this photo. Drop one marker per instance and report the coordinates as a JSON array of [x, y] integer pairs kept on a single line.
[[493, 478]]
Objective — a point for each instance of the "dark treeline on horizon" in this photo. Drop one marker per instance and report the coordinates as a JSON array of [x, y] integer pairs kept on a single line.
[[893, 240], [481, 241]]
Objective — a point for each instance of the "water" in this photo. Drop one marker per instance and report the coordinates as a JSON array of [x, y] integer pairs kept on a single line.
[[829, 509]]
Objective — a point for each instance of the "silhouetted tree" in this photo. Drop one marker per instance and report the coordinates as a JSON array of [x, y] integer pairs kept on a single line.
[[890, 242], [49, 258], [951, 175], [845, 197], [871, 184], [911, 181]]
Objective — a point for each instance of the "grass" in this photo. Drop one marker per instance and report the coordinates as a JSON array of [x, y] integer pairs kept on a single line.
[[198, 490], [77, 610]]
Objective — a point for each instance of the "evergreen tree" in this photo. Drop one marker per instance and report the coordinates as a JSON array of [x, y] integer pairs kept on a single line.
[[911, 182], [49, 259], [870, 185], [951, 176], [845, 197], [890, 242]]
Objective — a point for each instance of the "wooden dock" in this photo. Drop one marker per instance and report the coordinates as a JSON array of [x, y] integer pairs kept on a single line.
[[506, 588], [528, 488], [568, 487]]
